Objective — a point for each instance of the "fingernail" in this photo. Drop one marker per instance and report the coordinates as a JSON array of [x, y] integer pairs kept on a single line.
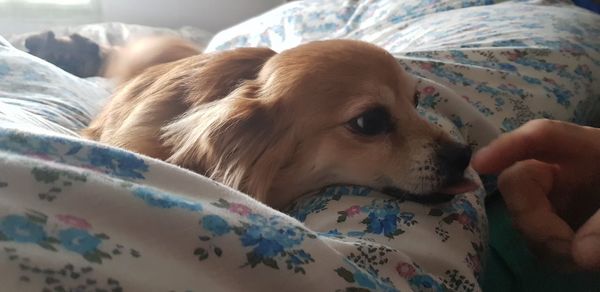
[[587, 251], [481, 152]]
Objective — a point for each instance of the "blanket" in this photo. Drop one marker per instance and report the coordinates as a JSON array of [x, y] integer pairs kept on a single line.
[[77, 215]]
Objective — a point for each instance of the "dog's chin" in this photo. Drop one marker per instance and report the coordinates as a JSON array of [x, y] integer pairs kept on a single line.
[[458, 186], [442, 195]]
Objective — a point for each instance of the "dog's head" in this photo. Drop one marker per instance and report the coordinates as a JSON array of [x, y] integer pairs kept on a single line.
[[329, 112]]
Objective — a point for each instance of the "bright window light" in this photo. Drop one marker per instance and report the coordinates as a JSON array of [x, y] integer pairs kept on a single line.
[[60, 2], [56, 2]]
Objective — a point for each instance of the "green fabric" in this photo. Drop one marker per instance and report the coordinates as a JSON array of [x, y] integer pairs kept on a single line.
[[510, 266]]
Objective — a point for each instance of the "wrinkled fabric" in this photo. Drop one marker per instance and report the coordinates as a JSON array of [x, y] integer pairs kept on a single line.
[[76, 215]]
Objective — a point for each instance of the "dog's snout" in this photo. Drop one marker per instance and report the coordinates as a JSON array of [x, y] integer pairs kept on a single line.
[[454, 158]]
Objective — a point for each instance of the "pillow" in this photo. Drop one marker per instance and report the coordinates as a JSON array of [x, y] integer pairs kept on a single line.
[[512, 60], [116, 33], [36, 95]]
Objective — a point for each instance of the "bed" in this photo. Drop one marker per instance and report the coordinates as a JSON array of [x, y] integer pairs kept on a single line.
[[76, 215]]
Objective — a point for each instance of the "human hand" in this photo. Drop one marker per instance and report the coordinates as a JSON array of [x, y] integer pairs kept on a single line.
[[550, 181]]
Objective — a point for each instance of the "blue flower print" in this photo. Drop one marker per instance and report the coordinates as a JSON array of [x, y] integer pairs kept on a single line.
[[512, 89], [121, 163], [363, 280], [266, 248], [4, 69], [386, 224], [383, 218], [22, 143], [467, 209], [584, 71], [356, 233], [215, 224], [318, 203], [270, 241], [507, 67], [269, 237], [562, 96], [425, 283], [32, 75], [509, 124], [509, 43], [367, 279], [21, 229], [537, 64], [484, 88], [159, 199], [531, 80], [78, 240], [331, 233]]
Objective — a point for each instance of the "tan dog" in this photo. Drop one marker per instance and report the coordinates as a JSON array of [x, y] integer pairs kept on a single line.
[[82, 57], [277, 126], [124, 63]]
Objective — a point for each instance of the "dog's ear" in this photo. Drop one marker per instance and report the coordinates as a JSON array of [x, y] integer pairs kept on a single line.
[[35, 42], [239, 140], [141, 107], [224, 71], [85, 45]]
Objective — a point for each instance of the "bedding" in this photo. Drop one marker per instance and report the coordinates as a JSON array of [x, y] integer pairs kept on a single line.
[[77, 215], [117, 33], [512, 60], [36, 95]]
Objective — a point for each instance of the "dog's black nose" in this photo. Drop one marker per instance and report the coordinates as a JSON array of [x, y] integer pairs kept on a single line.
[[453, 158]]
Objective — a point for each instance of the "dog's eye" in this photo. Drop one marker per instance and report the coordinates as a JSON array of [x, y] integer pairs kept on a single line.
[[372, 122]]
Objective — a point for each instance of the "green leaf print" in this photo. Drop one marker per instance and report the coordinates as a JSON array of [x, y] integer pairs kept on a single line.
[[47, 246], [270, 263], [347, 275], [45, 175], [201, 253]]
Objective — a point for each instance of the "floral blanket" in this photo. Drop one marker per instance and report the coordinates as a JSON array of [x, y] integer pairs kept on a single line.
[[80, 216]]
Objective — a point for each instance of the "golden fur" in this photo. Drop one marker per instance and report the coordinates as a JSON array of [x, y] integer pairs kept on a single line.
[[276, 126], [124, 63]]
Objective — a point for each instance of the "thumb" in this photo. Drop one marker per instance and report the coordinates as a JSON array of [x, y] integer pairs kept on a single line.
[[586, 246]]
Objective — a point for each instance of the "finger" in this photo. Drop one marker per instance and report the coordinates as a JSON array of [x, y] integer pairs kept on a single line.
[[586, 245], [545, 140], [525, 187]]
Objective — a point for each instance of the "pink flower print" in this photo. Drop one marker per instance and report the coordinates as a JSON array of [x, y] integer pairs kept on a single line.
[[353, 210], [240, 209], [429, 90], [463, 219], [405, 270], [513, 56], [551, 81], [474, 263], [39, 156], [73, 221], [426, 66]]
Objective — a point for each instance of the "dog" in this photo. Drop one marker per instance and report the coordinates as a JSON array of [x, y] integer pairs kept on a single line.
[[124, 63], [75, 54], [277, 126], [84, 58]]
